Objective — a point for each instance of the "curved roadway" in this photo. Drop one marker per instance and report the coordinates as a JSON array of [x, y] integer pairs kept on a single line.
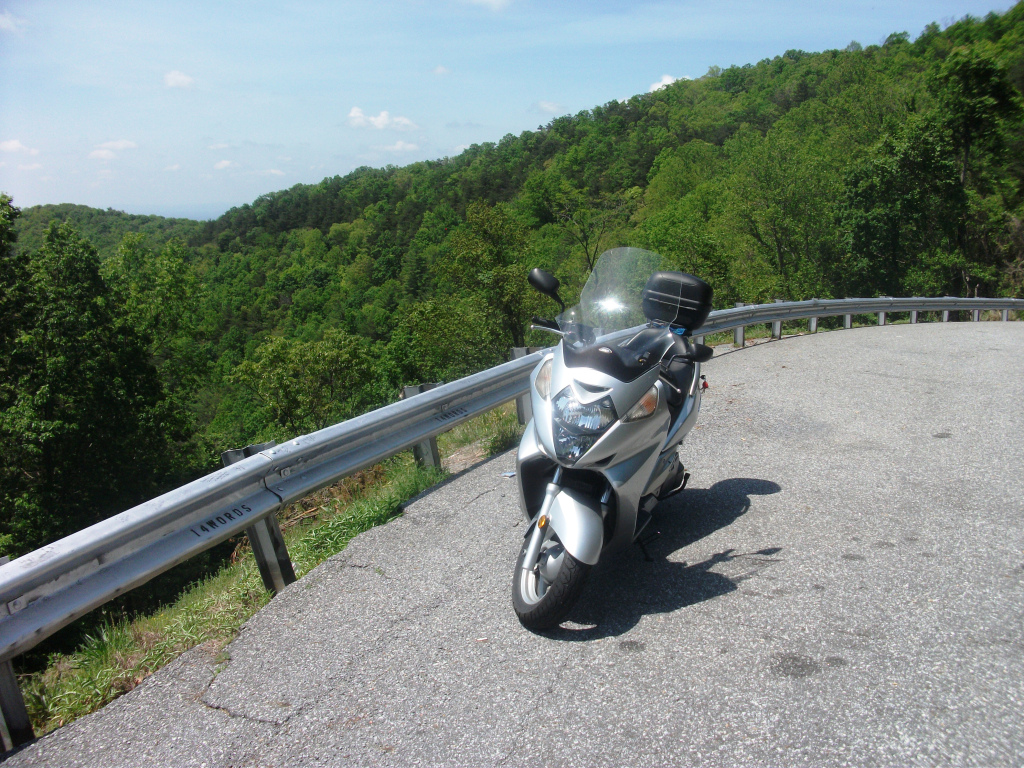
[[842, 584]]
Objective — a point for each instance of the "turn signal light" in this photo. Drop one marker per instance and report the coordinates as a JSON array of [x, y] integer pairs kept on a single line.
[[543, 380], [644, 407]]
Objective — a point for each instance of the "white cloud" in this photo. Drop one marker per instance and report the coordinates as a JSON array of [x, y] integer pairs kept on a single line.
[[401, 146], [494, 5], [10, 23], [30, 167], [222, 164], [358, 119], [175, 167], [549, 106], [665, 81], [219, 146], [441, 69], [105, 151], [176, 79], [460, 149], [119, 144], [16, 146], [272, 172]]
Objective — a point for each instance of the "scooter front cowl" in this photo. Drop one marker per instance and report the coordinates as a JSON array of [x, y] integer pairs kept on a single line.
[[576, 520]]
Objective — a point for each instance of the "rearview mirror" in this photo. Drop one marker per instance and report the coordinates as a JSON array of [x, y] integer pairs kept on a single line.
[[546, 283], [702, 353]]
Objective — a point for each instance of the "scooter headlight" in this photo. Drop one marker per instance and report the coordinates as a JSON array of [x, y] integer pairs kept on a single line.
[[579, 425]]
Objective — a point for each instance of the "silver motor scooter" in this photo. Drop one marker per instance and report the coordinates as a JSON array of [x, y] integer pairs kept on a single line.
[[610, 408]]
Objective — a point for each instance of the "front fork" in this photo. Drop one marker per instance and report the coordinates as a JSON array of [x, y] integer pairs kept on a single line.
[[540, 528]]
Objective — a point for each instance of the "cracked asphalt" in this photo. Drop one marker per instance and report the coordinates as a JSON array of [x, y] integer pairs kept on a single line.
[[841, 584]]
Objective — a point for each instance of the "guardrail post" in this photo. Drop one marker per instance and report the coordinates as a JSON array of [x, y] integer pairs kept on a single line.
[[265, 536], [976, 315], [945, 315], [739, 332], [15, 726], [913, 316], [425, 453], [271, 554], [813, 325], [777, 325], [1006, 315], [847, 322], [524, 408], [698, 339], [881, 318]]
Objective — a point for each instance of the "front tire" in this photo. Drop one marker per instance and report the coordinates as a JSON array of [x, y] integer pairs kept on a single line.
[[547, 591]]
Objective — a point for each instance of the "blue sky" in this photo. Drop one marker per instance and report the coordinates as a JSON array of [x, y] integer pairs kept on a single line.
[[189, 108]]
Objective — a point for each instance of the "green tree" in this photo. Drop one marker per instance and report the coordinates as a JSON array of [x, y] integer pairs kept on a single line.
[[976, 98], [903, 213], [687, 245], [82, 431], [307, 386], [587, 223], [486, 256], [445, 339], [160, 296], [782, 202], [15, 302]]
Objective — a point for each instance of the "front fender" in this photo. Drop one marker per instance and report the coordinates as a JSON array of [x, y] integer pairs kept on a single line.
[[577, 521]]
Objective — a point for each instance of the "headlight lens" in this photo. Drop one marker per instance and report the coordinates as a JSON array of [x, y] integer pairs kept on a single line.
[[578, 425], [645, 406], [543, 380]]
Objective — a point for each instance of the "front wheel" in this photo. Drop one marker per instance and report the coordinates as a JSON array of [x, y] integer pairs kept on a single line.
[[546, 590]]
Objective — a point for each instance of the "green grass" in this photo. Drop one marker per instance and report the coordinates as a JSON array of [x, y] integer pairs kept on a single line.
[[496, 431]]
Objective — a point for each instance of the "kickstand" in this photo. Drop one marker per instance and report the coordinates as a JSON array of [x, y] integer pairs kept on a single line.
[[644, 542]]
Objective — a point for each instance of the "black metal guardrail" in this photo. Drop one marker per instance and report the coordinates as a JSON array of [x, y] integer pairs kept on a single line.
[[51, 587]]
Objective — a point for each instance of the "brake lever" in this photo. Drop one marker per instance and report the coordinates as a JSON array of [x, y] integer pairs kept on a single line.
[[555, 331]]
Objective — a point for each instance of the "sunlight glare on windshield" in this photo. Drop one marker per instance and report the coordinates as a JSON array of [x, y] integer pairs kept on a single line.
[[611, 304]]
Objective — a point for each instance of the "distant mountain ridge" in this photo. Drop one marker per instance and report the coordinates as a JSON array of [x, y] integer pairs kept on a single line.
[[103, 228]]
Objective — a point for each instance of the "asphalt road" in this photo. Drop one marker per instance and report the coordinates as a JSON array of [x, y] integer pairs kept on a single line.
[[842, 584]]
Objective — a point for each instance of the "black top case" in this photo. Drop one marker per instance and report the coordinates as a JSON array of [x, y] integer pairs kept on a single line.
[[678, 299]]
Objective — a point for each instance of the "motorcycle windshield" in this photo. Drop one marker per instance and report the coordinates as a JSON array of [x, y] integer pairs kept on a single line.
[[611, 299]]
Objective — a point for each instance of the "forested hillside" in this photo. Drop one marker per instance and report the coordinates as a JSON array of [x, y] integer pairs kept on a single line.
[[887, 170], [104, 229]]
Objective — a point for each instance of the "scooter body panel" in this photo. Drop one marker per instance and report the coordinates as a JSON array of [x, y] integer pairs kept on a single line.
[[577, 521]]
